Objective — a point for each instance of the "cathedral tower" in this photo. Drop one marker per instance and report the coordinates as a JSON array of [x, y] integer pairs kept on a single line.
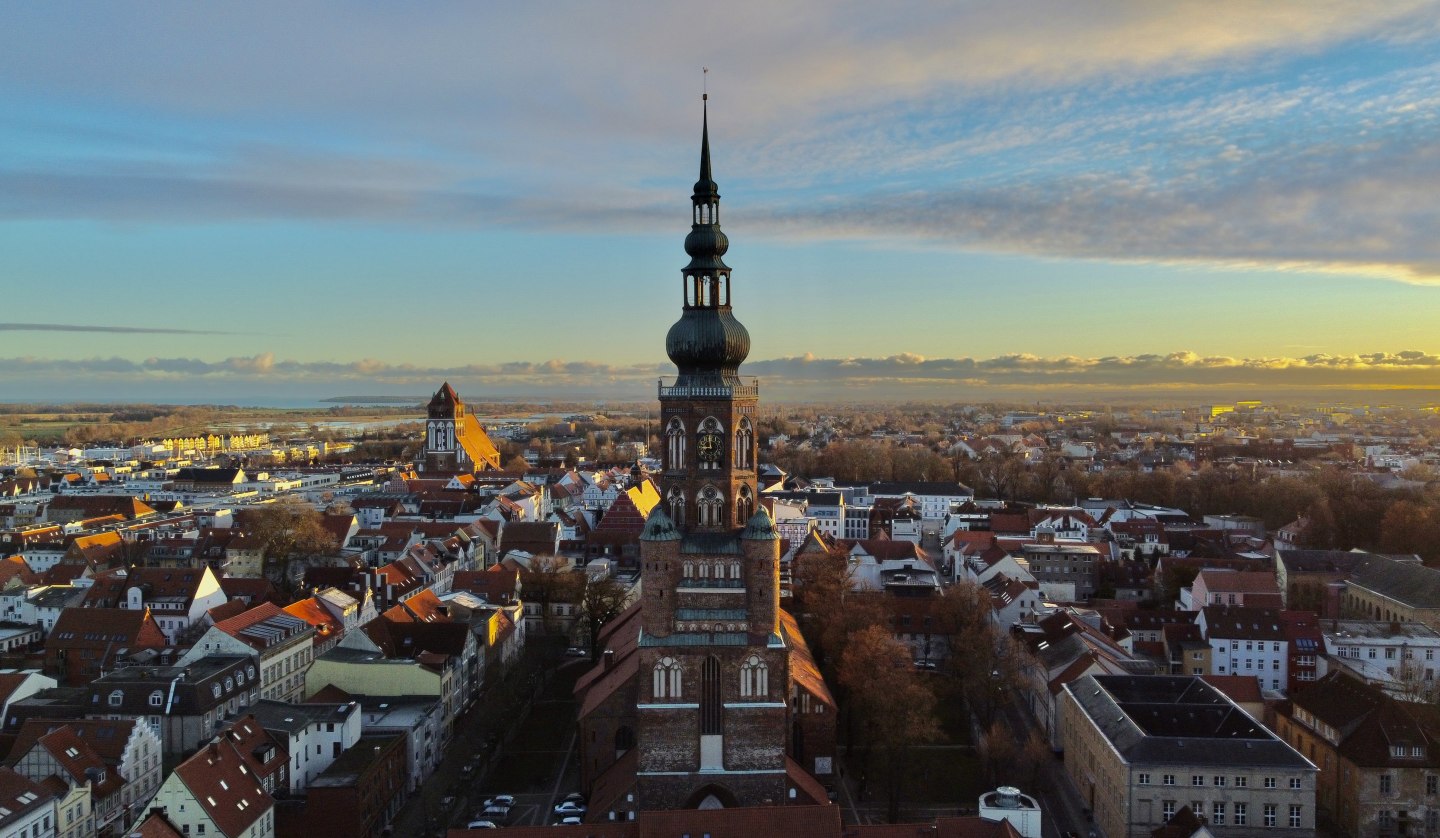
[[711, 716], [707, 416]]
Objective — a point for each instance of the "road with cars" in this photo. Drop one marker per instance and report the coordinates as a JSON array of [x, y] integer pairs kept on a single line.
[[517, 740]]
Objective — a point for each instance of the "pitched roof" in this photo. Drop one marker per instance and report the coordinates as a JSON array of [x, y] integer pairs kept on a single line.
[[77, 759], [107, 737], [1410, 584], [156, 825], [263, 626], [1371, 724], [803, 668], [19, 796], [100, 628], [94, 506], [225, 787], [1238, 581], [318, 616], [497, 584], [265, 755], [1244, 623]]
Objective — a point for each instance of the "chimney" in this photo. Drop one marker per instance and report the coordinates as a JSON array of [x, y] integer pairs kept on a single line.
[[609, 658]]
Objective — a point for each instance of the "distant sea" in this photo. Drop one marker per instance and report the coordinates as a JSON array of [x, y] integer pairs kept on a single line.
[[275, 402]]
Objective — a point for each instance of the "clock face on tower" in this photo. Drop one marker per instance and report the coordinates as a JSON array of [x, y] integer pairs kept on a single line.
[[710, 447]]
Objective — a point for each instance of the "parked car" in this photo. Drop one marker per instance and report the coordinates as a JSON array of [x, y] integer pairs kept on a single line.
[[575, 652], [569, 807], [570, 820], [574, 797], [501, 800], [497, 812], [481, 825]]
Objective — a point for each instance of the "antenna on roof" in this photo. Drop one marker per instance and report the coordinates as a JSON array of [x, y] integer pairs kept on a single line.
[[704, 84]]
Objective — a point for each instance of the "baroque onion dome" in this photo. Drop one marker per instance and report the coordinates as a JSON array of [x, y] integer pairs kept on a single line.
[[707, 344]]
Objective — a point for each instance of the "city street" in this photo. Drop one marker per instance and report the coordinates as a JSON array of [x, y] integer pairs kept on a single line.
[[518, 739]]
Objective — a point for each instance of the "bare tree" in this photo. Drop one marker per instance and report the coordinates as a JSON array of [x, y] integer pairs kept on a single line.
[[602, 602], [893, 707], [292, 536]]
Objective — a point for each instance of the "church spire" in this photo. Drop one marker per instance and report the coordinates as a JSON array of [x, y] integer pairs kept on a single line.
[[708, 343], [705, 189]]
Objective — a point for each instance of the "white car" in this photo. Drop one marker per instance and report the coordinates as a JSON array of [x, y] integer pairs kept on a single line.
[[481, 825], [570, 820], [506, 800], [570, 807]]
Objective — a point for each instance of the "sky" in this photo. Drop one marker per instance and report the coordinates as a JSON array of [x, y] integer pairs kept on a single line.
[[1179, 201]]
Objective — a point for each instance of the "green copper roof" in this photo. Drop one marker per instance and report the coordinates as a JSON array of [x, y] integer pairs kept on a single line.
[[760, 527], [659, 527]]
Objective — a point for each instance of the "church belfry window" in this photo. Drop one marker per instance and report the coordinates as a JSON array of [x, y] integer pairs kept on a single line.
[[744, 505], [744, 442], [676, 500], [675, 438], [709, 506]]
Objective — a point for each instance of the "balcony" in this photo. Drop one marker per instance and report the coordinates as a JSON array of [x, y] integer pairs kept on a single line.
[[711, 391]]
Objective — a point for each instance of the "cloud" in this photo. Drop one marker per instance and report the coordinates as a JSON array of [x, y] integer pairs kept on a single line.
[[783, 379], [125, 330], [1360, 209], [1121, 131]]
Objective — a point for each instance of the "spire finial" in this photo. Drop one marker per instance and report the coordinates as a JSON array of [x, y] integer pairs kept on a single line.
[[706, 184]]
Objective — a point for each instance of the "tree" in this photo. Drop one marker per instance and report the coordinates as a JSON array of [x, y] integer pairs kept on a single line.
[[999, 750], [549, 580], [1411, 527], [602, 602], [292, 535], [987, 664], [831, 611], [893, 707]]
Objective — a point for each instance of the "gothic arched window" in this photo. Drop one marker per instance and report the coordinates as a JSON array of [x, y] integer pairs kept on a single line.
[[667, 678], [754, 677], [675, 439], [744, 443], [709, 505], [744, 505], [676, 500], [710, 704]]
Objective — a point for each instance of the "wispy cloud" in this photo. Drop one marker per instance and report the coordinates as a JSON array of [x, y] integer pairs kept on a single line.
[[123, 330], [1047, 128]]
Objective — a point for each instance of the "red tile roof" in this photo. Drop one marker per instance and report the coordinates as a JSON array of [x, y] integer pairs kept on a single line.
[[21, 796], [225, 787], [77, 759]]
